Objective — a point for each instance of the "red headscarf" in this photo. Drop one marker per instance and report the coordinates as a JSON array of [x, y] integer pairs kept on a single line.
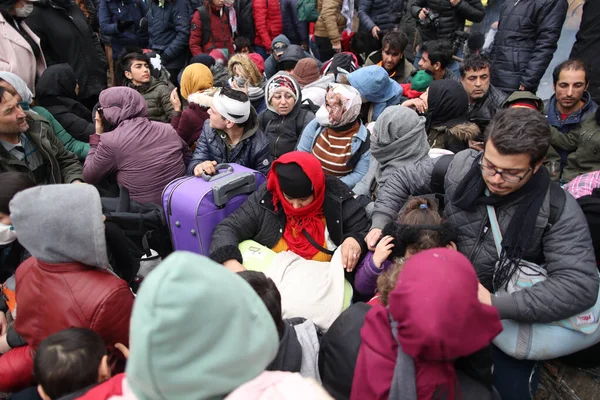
[[308, 217], [439, 320]]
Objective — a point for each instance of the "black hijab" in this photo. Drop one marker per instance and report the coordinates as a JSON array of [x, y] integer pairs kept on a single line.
[[447, 104]]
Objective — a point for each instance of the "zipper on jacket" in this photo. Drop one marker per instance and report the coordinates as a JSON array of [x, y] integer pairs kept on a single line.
[[480, 239], [278, 137]]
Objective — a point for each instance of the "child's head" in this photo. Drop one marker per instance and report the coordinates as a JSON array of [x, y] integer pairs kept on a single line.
[[419, 227], [11, 184], [242, 45], [268, 292], [69, 361]]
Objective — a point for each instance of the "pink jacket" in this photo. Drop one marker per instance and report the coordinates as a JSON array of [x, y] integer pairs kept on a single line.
[[16, 55]]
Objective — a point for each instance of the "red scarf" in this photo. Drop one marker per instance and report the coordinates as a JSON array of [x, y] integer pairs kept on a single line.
[[308, 217]]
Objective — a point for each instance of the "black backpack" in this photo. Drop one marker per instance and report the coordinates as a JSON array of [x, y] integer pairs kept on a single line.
[[206, 28]]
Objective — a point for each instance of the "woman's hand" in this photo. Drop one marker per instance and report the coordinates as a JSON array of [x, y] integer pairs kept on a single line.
[[416, 104], [383, 250], [235, 86], [99, 125], [350, 253], [372, 238], [175, 102]]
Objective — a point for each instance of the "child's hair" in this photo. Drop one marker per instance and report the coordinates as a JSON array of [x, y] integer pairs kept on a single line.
[[11, 184], [240, 42], [419, 227], [68, 361], [269, 294]]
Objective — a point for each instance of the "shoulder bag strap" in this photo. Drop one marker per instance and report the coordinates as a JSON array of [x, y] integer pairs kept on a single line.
[[495, 229], [315, 244]]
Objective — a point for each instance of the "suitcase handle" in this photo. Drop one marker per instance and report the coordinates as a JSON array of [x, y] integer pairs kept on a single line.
[[218, 175]]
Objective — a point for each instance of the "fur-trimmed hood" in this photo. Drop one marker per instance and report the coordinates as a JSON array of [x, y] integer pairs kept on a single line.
[[465, 131], [203, 98]]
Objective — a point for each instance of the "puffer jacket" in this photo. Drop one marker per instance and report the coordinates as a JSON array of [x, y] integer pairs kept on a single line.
[[56, 92], [381, 13], [284, 131], [158, 99], [251, 152], [221, 36], [66, 37], [451, 18], [296, 31], [267, 22], [455, 138], [257, 220], [62, 165], [331, 23], [80, 149], [113, 11], [583, 143], [528, 32], [169, 31], [146, 155], [484, 109], [565, 248], [309, 138]]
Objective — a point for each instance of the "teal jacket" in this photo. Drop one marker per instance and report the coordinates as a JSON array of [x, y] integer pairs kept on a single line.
[[80, 149]]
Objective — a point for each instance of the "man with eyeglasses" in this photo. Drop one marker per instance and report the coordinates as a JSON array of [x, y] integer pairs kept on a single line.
[[539, 223]]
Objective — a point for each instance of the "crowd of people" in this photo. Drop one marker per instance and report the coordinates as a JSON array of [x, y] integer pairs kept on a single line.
[[414, 180]]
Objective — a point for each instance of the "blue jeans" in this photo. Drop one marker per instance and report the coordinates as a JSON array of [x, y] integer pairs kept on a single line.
[[452, 66], [515, 379]]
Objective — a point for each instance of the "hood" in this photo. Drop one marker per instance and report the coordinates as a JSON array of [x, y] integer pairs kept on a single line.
[[224, 334], [279, 81], [280, 39], [322, 83], [517, 96], [250, 70], [447, 102], [145, 87], [280, 385], [204, 98], [374, 84], [465, 131], [18, 84], [251, 126], [57, 80], [289, 355], [292, 53], [121, 103], [61, 224]]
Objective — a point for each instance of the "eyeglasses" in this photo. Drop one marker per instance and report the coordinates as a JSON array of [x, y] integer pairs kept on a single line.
[[506, 176]]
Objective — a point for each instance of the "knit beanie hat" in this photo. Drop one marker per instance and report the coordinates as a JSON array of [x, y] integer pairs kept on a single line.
[[203, 59], [281, 83], [231, 109], [258, 61], [220, 55], [195, 77], [293, 181], [306, 71], [421, 81]]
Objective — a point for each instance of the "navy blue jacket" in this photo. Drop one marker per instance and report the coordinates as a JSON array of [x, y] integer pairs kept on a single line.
[[572, 121], [169, 31], [296, 31], [384, 14], [528, 32], [251, 152], [112, 11]]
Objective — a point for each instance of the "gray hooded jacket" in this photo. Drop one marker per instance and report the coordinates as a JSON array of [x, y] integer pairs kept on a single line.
[[565, 247]]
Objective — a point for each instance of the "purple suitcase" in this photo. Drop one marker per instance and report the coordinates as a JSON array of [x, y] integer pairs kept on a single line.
[[195, 205]]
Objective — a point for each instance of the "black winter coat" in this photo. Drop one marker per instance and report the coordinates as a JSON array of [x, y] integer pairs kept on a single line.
[[257, 220], [66, 37], [482, 111], [586, 46], [528, 32], [451, 18], [284, 132], [55, 91], [169, 31], [381, 13]]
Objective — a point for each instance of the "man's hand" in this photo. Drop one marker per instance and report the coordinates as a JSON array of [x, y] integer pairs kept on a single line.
[[383, 250], [522, 88], [337, 47], [423, 13], [375, 32], [350, 253], [234, 266], [3, 324], [484, 295], [372, 238], [123, 349], [454, 2], [98, 123], [175, 102], [475, 145], [206, 166]]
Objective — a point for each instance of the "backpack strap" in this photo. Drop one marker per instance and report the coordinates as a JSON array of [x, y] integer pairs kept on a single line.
[[558, 198], [404, 384], [439, 173], [355, 158], [205, 21]]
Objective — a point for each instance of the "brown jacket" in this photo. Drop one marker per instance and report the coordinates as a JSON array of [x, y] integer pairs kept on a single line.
[[331, 23]]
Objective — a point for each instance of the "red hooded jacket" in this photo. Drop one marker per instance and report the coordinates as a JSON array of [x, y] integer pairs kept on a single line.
[[221, 37], [267, 21]]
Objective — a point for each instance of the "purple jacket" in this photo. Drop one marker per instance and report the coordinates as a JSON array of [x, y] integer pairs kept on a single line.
[[365, 281], [146, 155]]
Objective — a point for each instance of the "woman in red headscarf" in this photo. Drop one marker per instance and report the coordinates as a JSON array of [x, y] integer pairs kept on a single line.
[[439, 324], [299, 209]]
